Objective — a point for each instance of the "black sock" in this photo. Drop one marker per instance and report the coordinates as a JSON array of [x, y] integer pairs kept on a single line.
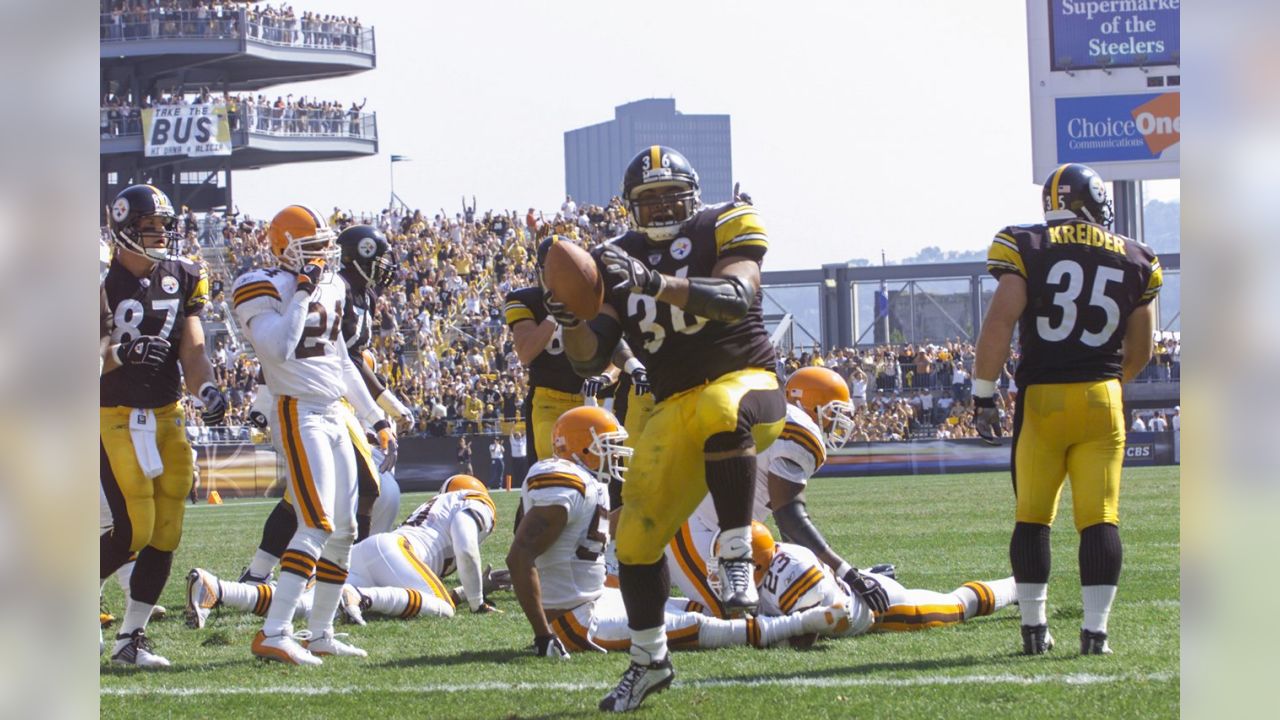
[[281, 524], [1029, 553], [732, 484], [149, 575], [644, 592], [1100, 555], [113, 552]]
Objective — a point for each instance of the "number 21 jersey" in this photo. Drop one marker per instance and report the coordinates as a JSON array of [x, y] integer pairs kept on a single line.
[[1083, 282]]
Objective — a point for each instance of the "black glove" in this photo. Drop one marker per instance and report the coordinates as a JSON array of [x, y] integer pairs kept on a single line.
[[387, 442], [986, 419], [868, 588], [215, 404], [550, 646], [144, 351], [493, 581], [592, 386], [623, 272], [640, 381], [558, 311], [309, 276]]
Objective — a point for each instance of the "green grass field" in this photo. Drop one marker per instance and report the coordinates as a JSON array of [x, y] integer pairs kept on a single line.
[[940, 530]]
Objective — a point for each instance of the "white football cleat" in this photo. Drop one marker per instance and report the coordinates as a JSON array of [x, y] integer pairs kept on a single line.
[[637, 683], [352, 605], [282, 648], [203, 595], [329, 644], [832, 620], [135, 649], [737, 585]]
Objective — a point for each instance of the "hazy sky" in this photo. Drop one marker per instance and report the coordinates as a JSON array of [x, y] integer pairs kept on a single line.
[[857, 126]]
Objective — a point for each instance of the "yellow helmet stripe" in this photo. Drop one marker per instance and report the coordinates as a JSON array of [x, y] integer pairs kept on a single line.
[[655, 157], [1054, 202]]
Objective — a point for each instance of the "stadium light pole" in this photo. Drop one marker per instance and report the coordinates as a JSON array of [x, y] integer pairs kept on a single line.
[[395, 159]]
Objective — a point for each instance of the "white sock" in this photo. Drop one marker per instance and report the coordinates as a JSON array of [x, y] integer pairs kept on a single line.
[[717, 633], [1097, 606], [262, 564], [1031, 601], [649, 646], [324, 605], [774, 630], [280, 615], [999, 592], [136, 615], [735, 542], [244, 596], [123, 574]]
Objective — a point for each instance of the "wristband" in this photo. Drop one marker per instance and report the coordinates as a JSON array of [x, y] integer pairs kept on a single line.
[[632, 365], [843, 570], [391, 404], [984, 388], [117, 352]]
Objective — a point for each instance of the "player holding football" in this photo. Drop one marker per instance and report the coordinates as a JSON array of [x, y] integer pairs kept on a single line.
[[684, 289], [154, 300], [1081, 297], [557, 565], [292, 315]]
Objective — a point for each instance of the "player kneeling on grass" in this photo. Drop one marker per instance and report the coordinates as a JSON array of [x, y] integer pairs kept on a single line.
[[557, 563], [792, 580], [397, 573]]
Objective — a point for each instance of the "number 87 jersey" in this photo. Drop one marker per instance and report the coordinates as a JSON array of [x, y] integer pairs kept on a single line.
[[309, 365], [1083, 281]]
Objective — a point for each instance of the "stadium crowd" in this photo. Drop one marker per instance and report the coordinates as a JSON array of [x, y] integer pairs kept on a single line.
[[142, 19], [121, 115], [441, 341]]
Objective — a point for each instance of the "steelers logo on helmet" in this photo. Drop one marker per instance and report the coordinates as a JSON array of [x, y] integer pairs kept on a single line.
[[120, 209], [367, 247], [1097, 189]]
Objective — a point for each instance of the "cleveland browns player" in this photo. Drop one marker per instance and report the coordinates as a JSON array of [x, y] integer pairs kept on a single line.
[[292, 315], [683, 287], [557, 565], [1081, 298], [366, 268], [154, 300]]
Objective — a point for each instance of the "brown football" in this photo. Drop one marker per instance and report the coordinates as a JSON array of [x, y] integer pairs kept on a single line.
[[570, 274]]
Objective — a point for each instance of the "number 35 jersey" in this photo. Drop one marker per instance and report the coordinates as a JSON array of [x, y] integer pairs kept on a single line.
[[157, 304], [313, 364], [571, 571], [1083, 282], [679, 349]]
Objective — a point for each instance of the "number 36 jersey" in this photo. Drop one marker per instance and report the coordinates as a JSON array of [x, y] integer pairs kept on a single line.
[[571, 571], [313, 364], [682, 350], [157, 304], [1083, 282]]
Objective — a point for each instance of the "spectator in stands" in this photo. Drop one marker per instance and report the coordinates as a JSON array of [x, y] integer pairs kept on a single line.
[[1158, 423], [1138, 424], [496, 453], [464, 455]]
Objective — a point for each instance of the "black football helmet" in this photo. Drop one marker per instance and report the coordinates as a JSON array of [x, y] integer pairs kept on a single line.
[[132, 224], [661, 191], [1076, 191], [366, 249]]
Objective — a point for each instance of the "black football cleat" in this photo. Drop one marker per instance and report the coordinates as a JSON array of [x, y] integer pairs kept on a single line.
[[1036, 639], [1094, 643]]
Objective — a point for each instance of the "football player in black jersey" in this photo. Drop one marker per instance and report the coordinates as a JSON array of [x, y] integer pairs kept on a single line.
[[1081, 298], [366, 267], [684, 289], [155, 300]]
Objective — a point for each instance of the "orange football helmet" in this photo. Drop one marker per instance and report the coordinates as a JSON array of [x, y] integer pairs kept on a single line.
[[825, 397], [463, 482], [299, 235], [763, 549], [593, 438]]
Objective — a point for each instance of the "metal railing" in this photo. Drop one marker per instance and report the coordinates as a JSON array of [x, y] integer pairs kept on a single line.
[[261, 120], [233, 24]]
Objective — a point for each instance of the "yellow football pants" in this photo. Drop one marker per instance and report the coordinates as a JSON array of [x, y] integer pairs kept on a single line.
[[667, 478], [548, 406], [639, 410], [150, 511], [1074, 429]]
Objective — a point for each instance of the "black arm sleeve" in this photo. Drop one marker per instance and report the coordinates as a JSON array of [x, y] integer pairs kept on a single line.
[[721, 299], [621, 354], [370, 379], [795, 525], [608, 332]]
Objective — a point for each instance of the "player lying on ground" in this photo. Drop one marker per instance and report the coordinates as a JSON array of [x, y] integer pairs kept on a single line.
[[396, 573], [557, 565]]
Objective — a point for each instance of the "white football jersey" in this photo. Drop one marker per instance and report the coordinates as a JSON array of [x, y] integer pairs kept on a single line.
[[572, 570], [427, 527], [798, 580], [795, 456], [313, 368]]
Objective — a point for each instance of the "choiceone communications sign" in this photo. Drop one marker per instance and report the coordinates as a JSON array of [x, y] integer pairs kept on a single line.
[[190, 130], [1113, 33], [1118, 128]]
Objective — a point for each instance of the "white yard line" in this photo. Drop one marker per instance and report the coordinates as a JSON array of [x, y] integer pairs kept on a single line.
[[823, 682]]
